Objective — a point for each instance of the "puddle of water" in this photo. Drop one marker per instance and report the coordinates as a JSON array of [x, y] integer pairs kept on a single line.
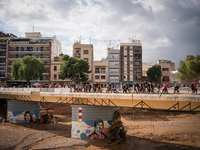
[[188, 143]]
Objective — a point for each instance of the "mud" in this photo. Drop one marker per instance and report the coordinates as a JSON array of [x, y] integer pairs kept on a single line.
[[152, 131]]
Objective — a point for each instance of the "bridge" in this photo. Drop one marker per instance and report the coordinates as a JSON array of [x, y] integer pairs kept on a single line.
[[180, 102], [87, 108]]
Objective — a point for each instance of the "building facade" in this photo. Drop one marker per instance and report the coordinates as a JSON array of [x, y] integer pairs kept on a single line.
[[166, 67], [131, 61], [55, 71], [84, 51], [4, 44], [113, 56], [33, 44], [100, 72]]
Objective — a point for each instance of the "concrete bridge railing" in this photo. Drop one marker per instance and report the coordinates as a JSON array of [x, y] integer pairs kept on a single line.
[[34, 90]]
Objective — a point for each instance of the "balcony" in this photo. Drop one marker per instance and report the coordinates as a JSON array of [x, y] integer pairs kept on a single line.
[[114, 72], [43, 58], [2, 56], [45, 73], [29, 52], [2, 50], [2, 76], [77, 54]]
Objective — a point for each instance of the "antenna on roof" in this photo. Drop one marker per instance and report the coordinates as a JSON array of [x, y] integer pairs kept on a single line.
[[33, 28]]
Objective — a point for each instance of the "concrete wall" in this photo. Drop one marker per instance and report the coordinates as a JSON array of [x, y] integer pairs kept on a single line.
[[87, 120], [22, 111]]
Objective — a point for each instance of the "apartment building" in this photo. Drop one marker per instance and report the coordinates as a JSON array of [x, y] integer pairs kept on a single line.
[[33, 44], [4, 44], [84, 51], [166, 67], [113, 56], [55, 71], [100, 72], [131, 61]]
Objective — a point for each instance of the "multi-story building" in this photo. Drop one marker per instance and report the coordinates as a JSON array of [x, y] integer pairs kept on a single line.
[[33, 44], [145, 67], [100, 72], [131, 61], [4, 40], [55, 71], [113, 56], [166, 67], [84, 51]]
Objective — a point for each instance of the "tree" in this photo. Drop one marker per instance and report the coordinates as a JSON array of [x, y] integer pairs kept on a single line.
[[28, 68], [154, 73], [189, 70], [14, 71], [75, 69]]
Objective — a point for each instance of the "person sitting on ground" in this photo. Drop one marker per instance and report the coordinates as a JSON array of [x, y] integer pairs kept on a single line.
[[117, 130]]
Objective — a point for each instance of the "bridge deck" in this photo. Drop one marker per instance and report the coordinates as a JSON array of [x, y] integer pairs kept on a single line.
[[155, 101]]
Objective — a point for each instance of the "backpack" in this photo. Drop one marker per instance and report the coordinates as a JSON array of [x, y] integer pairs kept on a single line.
[[192, 86]]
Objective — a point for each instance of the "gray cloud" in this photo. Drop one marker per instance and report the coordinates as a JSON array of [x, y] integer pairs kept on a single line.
[[168, 29]]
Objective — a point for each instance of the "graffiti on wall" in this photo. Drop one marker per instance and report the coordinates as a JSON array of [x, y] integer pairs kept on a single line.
[[23, 116], [91, 129]]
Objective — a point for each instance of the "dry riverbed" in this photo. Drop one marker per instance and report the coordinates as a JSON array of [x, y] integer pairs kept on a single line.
[[146, 131]]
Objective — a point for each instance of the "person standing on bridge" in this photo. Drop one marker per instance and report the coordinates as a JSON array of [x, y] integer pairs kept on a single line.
[[176, 87]]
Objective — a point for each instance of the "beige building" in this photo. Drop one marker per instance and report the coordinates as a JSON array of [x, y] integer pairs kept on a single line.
[[100, 72], [174, 77], [55, 70], [33, 44], [166, 67], [84, 51], [145, 67]]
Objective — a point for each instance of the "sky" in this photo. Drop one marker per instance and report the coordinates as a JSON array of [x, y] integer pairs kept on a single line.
[[167, 29]]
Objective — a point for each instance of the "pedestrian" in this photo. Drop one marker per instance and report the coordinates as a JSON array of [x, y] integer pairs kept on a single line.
[[176, 88], [158, 88]]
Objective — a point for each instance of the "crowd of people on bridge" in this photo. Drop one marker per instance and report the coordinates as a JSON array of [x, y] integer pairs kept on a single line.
[[143, 87]]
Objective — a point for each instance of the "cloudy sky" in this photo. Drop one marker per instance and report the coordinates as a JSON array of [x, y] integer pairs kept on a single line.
[[168, 29]]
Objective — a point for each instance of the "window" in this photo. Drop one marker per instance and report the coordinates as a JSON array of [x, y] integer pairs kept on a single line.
[[131, 55], [131, 62], [137, 49], [165, 78], [103, 70], [165, 69], [103, 77], [96, 70], [96, 77], [131, 49], [86, 59], [137, 56], [125, 76], [3, 47], [137, 77], [137, 63], [125, 48], [125, 56], [55, 76], [55, 68], [131, 76], [85, 52], [137, 70]]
